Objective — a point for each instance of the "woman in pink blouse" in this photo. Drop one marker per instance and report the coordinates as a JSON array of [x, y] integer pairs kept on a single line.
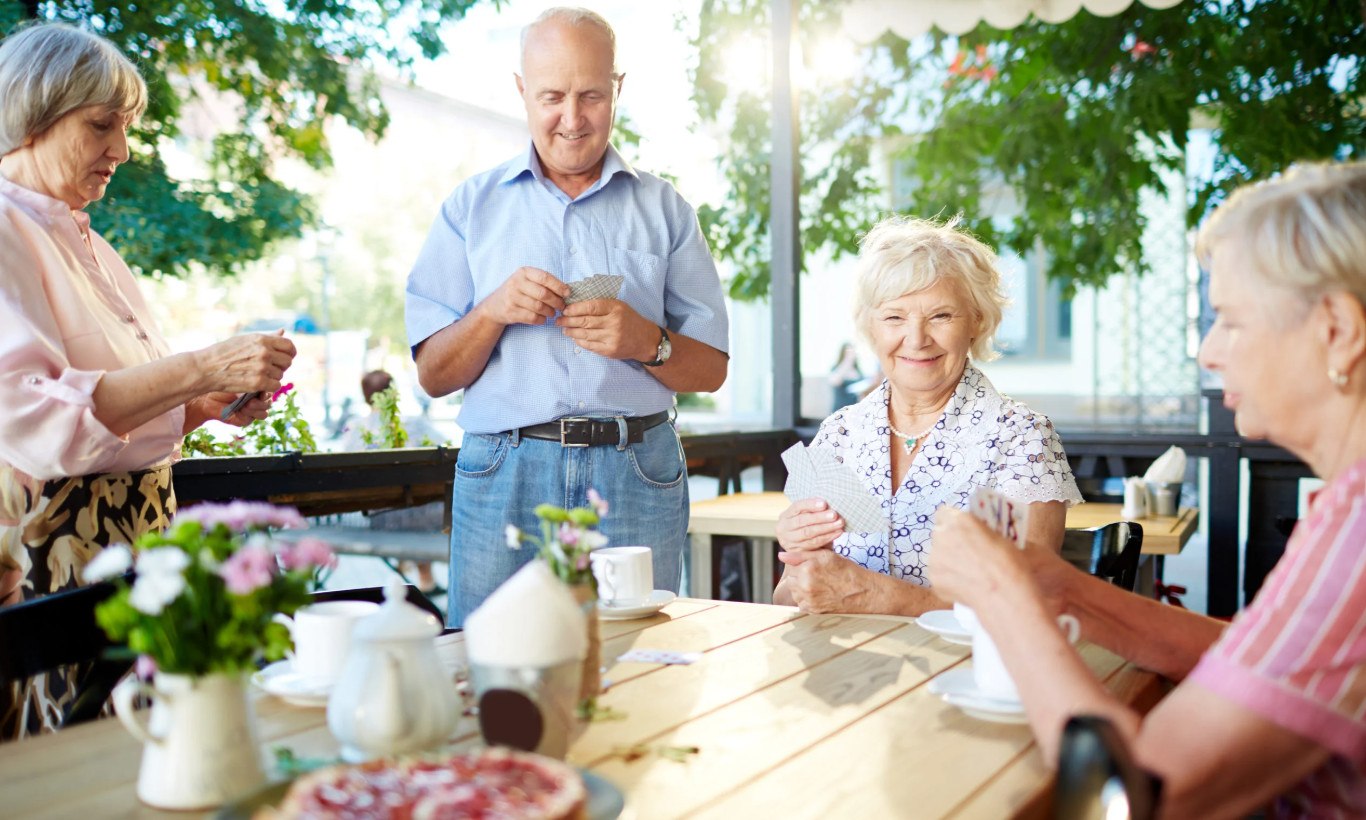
[[95, 403], [1271, 707]]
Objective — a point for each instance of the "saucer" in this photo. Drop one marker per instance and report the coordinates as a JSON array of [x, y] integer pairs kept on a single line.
[[280, 680], [945, 624], [657, 601], [958, 688]]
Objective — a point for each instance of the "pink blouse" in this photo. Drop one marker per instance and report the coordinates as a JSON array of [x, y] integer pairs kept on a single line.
[[70, 310], [1297, 655]]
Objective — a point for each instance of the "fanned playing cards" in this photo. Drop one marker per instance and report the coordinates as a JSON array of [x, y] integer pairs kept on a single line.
[[597, 286], [815, 472], [1002, 515]]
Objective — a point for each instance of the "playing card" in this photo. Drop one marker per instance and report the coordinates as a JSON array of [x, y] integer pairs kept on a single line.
[[663, 656], [597, 286], [815, 472], [999, 513]]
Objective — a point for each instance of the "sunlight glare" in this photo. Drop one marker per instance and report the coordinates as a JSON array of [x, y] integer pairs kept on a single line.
[[744, 66], [831, 60]]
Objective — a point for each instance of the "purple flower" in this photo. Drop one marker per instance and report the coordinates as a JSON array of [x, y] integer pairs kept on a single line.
[[284, 388], [145, 667], [248, 569], [308, 552], [597, 502], [569, 534], [239, 516]]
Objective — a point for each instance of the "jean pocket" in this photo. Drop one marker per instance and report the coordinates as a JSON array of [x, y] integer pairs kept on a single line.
[[480, 455], [658, 460]]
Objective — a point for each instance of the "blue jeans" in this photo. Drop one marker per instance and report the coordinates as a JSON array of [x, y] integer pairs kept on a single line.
[[499, 480]]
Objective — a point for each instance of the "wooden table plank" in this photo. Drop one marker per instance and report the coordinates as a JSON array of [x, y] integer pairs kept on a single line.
[[744, 739]]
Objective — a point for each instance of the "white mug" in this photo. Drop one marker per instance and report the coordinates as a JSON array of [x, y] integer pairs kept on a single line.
[[989, 670], [322, 637], [625, 575]]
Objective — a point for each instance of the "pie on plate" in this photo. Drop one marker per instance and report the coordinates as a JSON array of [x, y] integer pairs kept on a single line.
[[493, 783]]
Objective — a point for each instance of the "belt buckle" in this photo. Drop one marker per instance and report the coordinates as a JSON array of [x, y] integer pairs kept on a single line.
[[564, 422]]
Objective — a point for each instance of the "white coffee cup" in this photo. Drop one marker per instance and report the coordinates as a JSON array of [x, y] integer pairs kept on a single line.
[[322, 637], [966, 617], [989, 670], [625, 575]]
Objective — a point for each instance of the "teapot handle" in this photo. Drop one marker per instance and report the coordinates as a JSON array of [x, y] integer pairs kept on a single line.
[[124, 693]]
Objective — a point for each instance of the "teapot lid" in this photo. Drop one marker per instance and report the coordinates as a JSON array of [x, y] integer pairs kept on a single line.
[[397, 620]]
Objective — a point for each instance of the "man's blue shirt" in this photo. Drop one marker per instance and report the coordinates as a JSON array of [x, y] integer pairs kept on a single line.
[[629, 223]]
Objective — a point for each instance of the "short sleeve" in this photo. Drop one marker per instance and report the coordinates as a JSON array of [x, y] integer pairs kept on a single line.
[[440, 287], [694, 301], [1030, 464]]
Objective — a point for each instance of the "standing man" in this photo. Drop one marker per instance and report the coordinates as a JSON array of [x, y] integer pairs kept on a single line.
[[562, 398]]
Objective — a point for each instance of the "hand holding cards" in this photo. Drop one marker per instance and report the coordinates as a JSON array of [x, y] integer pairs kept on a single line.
[[597, 286], [815, 472], [238, 404], [1000, 514]]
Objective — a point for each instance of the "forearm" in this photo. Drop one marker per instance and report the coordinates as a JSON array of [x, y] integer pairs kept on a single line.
[[455, 356], [1156, 636], [694, 367], [129, 398], [885, 595]]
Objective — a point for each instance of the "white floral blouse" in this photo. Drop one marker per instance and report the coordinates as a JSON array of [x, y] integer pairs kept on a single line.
[[983, 439]]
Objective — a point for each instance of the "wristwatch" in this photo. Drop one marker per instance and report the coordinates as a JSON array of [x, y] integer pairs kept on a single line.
[[664, 351]]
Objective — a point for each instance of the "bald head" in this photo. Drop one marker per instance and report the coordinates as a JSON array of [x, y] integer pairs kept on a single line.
[[571, 17]]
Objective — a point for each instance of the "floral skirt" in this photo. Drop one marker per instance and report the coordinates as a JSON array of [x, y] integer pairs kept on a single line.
[[49, 531]]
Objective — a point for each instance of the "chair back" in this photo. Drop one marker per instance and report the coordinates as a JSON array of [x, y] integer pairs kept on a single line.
[[58, 630], [1110, 552], [376, 595], [1098, 779]]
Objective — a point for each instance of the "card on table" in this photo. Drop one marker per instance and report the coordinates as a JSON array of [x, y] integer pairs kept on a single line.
[[663, 656], [597, 286], [1002, 515], [815, 472]]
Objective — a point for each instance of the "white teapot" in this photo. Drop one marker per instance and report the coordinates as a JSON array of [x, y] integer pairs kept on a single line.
[[393, 695]]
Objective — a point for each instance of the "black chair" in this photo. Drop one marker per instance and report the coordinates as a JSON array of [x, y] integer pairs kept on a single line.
[[59, 630], [376, 595], [1110, 552], [1098, 777]]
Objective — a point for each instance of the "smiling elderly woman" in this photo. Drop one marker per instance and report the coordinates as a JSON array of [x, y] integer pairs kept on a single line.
[[1269, 707], [95, 405], [929, 299]]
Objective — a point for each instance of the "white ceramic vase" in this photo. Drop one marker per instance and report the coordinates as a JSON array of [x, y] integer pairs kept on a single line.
[[200, 746]]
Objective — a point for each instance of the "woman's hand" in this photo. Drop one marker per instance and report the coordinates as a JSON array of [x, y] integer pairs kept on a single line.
[[250, 363], [211, 405], [820, 581], [808, 524], [968, 561]]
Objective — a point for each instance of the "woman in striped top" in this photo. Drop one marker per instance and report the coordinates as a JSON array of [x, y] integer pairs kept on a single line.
[[1270, 709]]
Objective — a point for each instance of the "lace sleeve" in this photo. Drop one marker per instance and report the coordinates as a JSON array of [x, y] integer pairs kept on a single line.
[[1031, 465]]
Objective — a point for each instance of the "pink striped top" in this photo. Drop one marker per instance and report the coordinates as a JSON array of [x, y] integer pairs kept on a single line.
[[1297, 655]]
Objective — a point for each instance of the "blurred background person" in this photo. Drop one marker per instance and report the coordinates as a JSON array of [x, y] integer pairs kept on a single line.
[[845, 376]]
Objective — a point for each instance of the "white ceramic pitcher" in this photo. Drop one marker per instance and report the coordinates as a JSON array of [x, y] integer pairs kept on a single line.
[[200, 747]]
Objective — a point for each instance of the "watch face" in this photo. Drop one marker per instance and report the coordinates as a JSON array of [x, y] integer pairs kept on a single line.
[[666, 349]]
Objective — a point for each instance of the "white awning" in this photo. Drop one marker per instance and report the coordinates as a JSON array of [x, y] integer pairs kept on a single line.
[[866, 20]]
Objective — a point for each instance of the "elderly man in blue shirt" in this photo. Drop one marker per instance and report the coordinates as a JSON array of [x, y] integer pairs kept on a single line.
[[563, 398]]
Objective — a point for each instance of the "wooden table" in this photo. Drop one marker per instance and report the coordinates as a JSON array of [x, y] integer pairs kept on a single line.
[[792, 715], [754, 517]]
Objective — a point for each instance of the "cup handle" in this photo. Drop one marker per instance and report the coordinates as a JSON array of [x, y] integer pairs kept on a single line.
[[609, 576], [124, 694], [1071, 626]]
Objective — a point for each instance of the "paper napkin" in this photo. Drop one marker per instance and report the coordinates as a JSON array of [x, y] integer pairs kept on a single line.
[[1169, 468], [531, 620]]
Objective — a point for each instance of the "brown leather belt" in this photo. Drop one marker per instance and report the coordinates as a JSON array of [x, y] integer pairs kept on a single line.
[[579, 431]]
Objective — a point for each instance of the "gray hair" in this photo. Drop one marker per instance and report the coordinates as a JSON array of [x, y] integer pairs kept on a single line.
[[48, 70], [1304, 231], [574, 17], [903, 255]]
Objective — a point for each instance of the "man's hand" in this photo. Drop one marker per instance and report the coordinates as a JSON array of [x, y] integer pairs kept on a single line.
[[528, 297], [611, 328]]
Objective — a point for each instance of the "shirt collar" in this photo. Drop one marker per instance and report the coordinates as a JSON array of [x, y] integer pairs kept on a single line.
[[528, 163], [40, 204]]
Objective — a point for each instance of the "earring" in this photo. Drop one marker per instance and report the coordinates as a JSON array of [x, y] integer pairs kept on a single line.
[[1339, 379]]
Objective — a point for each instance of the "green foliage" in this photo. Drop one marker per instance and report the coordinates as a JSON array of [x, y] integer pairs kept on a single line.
[[391, 433], [283, 430], [566, 539], [282, 70], [1077, 119]]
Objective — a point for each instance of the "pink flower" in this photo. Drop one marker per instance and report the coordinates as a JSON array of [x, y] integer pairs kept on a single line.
[[284, 388], [582, 563], [248, 569], [1141, 49], [239, 516], [597, 502], [145, 667], [569, 534], [308, 552]]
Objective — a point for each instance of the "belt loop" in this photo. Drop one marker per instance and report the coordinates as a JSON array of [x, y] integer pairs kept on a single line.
[[515, 436], [624, 433]]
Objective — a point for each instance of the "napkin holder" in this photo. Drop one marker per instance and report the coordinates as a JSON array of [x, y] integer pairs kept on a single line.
[[529, 707], [1135, 499]]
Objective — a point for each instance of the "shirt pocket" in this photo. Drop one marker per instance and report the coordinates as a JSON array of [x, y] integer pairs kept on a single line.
[[643, 284]]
